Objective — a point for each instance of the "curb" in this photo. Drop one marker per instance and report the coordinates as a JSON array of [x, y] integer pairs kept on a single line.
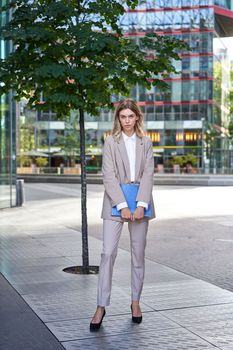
[[159, 179]]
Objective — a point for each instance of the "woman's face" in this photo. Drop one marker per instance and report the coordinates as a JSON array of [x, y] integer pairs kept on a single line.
[[127, 120]]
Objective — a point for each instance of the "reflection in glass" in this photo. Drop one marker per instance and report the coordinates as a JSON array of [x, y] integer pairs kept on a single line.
[[203, 90], [160, 3], [223, 3], [149, 114], [177, 20], [186, 18], [177, 3], [194, 65], [176, 112], [150, 21], [150, 94], [195, 19], [141, 5], [124, 22], [168, 19], [159, 114], [141, 25], [176, 91], [159, 21], [168, 112], [132, 22]]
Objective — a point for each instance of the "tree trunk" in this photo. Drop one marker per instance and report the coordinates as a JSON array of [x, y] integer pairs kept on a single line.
[[85, 253]]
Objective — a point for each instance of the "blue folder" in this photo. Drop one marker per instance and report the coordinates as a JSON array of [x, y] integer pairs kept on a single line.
[[130, 192]]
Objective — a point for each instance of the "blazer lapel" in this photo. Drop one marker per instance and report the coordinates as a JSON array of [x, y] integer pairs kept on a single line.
[[139, 153], [124, 156]]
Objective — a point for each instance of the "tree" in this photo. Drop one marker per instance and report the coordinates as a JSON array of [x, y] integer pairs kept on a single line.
[[73, 55], [41, 161], [24, 161]]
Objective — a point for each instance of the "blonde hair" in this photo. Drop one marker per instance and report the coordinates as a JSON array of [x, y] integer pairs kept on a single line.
[[139, 126]]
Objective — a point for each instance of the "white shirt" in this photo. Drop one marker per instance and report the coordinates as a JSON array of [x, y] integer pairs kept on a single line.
[[130, 144]]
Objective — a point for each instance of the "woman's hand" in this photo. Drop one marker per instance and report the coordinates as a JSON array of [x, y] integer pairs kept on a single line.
[[138, 214], [126, 214]]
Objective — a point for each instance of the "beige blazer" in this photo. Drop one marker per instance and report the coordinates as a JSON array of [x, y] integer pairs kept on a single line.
[[116, 170]]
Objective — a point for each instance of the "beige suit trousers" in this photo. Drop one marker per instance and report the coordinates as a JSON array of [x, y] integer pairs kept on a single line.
[[111, 235]]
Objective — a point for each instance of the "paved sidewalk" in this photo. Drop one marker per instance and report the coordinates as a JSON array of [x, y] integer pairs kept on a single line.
[[179, 311]]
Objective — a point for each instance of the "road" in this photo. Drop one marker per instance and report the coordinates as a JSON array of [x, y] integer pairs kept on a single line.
[[193, 231]]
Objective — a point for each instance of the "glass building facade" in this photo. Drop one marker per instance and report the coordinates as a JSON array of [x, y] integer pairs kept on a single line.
[[178, 120], [7, 137], [189, 117]]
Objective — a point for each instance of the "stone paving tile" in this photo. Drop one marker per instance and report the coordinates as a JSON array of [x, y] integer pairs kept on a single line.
[[188, 303], [191, 285], [36, 248], [182, 294], [33, 252], [162, 339], [201, 315], [77, 259], [55, 232], [213, 323], [46, 275], [63, 247], [43, 288], [216, 333], [160, 273], [79, 329], [79, 303], [86, 288], [33, 264]]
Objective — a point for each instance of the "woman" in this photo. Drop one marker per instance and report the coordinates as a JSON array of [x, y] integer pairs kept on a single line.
[[127, 158]]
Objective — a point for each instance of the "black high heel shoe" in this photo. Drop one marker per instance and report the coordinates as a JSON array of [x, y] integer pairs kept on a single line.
[[136, 319], [96, 326]]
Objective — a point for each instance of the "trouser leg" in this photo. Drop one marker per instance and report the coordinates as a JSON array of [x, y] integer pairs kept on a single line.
[[138, 233], [111, 235]]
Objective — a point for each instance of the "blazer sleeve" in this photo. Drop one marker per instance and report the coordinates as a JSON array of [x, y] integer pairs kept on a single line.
[[111, 183], [146, 183]]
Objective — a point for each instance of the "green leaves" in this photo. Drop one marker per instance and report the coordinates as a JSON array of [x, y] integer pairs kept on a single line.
[[76, 54]]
